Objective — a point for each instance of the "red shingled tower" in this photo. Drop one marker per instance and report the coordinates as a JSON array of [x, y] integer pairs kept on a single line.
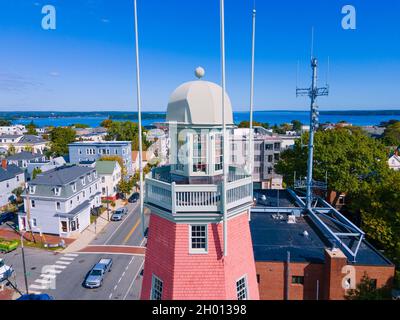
[[185, 251]]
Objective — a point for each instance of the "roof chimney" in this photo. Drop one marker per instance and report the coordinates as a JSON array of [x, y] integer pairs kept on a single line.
[[4, 164]]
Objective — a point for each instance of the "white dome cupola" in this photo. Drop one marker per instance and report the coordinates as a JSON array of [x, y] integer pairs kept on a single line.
[[199, 103]]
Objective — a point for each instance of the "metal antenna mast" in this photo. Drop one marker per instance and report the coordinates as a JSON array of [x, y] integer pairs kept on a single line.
[[313, 92], [224, 147], [251, 166], [139, 105]]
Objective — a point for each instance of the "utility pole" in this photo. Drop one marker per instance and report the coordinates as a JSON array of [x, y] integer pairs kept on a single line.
[[23, 263], [313, 92], [108, 205], [28, 211]]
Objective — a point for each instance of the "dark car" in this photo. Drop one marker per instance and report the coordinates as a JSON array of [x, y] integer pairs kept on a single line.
[[121, 196], [8, 216], [134, 198], [43, 296]]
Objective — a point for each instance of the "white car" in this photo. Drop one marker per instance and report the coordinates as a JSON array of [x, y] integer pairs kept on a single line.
[[5, 271]]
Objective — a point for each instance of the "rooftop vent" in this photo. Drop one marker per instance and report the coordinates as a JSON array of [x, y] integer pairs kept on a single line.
[[305, 233], [291, 219]]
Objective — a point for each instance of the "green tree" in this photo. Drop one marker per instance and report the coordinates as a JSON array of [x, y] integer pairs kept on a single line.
[[127, 131], [296, 125], [348, 155], [367, 290], [106, 123], [246, 124], [59, 140], [391, 135], [11, 150], [31, 128], [18, 192], [80, 126], [35, 172], [5, 123]]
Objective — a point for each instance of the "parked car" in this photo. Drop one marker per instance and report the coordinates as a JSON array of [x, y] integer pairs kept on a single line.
[[134, 198], [5, 271], [43, 296], [117, 216], [8, 245], [95, 277], [121, 196], [122, 210], [5, 217]]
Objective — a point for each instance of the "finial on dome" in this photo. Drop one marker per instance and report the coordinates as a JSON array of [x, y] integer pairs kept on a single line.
[[199, 72]]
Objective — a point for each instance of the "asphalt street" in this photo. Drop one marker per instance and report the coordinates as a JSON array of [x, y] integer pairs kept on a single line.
[[62, 275]]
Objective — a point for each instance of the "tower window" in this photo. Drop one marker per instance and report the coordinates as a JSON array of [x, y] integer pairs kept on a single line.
[[298, 280], [198, 239], [199, 153], [241, 288], [156, 288]]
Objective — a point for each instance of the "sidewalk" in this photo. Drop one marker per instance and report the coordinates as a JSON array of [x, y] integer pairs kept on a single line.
[[90, 233], [49, 239]]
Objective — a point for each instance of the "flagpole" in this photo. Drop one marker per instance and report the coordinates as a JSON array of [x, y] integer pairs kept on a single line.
[[224, 172], [251, 162], [139, 110]]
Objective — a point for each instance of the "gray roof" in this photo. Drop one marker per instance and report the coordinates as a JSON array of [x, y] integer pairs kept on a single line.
[[31, 139], [273, 238], [24, 155], [61, 176], [11, 172], [25, 138]]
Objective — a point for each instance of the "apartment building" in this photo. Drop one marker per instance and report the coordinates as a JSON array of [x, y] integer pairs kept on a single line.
[[11, 178], [92, 151], [60, 201], [267, 148]]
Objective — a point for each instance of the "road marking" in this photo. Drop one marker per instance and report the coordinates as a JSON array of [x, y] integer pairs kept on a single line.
[[140, 269], [43, 281], [129, 214], [67, 259], [53, 271], [132, 231], [63, 262], [34, 286], [50, 276], [71, 255], [119, 280], [34, 292], [123, 274], [115, 287], [110, 296], [58, 267]]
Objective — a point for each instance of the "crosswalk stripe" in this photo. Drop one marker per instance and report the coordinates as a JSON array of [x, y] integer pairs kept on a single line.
[[34, 286], [63, 262], [53, 271], [43, 281], [55, 266], [34, 292], [50, 276], [67, 258], [71, 255]]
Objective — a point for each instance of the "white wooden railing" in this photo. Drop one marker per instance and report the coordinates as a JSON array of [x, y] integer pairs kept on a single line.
[[184, 198]]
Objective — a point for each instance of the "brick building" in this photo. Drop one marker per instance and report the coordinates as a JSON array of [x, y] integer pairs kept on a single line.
[[195, 250], [296, 258]]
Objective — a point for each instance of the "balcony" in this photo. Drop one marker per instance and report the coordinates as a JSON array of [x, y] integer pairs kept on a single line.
[[177, 195]]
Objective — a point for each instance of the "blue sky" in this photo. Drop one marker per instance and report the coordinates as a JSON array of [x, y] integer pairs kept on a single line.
[[87, 63]]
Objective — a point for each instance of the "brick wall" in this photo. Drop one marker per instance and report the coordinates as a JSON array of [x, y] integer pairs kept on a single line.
[[199, 276], [327, 277]]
